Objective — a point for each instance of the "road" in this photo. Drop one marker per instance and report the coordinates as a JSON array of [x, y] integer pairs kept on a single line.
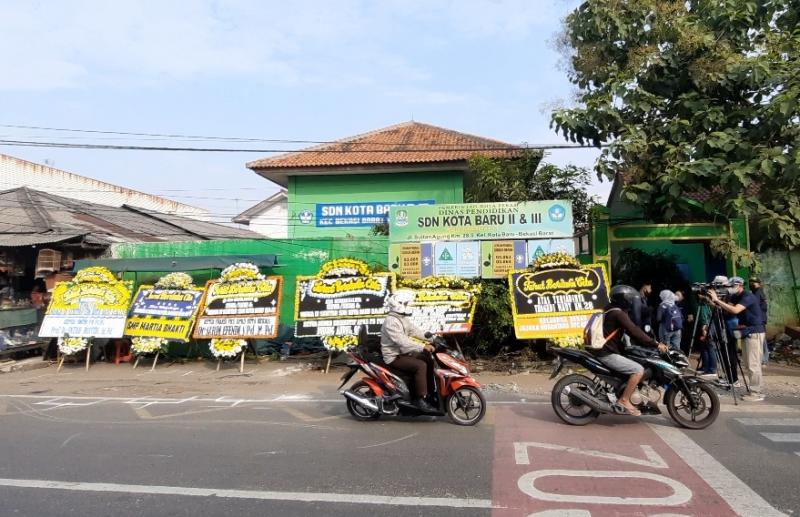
[[303, 455]]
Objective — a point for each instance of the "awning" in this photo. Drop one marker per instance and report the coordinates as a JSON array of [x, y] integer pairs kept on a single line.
[[163, 264]]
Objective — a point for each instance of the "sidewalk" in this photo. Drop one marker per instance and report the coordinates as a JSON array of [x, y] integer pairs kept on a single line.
[[264, 380]]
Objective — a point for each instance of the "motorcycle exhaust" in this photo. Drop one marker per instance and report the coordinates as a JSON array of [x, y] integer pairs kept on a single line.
[[599, 405], [367, 403]]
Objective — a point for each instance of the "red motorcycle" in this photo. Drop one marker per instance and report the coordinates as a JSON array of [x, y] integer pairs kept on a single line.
[[384, 390]]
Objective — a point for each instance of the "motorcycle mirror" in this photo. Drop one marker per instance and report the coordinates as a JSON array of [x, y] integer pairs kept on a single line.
[[428, 335]]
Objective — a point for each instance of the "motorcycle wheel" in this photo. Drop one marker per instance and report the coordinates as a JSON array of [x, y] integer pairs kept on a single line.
[[358, 411], [679, 409], [466, 406], [570, 409]]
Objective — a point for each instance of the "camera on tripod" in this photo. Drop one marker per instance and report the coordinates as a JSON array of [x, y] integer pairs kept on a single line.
[[702, 289]]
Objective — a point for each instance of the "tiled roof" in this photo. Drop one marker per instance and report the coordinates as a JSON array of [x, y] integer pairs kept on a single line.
[[406, 143]]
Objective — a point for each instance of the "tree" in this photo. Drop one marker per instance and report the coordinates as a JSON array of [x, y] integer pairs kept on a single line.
[[692, 95], [523, 179]]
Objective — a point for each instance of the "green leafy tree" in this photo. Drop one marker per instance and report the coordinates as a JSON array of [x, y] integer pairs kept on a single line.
[[525, 179], [692, 95]]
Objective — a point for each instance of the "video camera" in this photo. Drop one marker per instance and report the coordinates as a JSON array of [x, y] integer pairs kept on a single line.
[[702, 289]]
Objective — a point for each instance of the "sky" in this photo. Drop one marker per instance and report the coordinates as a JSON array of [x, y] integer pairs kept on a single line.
[[301, 70]]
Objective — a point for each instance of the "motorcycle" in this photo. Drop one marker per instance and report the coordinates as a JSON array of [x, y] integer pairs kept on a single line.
[[579, 399], [384, 391]]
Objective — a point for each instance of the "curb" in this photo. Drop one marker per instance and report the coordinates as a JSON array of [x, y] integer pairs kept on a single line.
[[34, 363]]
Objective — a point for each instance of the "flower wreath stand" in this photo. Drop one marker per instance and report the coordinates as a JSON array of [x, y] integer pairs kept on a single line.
[[228, 349], [337, 344], [142, 346], [69, 346]]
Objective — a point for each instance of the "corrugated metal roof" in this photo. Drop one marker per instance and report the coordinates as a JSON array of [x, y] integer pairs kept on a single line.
[[28, 215]]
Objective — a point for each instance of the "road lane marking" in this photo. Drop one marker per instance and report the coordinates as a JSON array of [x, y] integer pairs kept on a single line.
[[782, 437], [304, 497], [653, 459], [389, 442], [733, 490], [761, 408], [64, 444], [768, 421], [680, 492]]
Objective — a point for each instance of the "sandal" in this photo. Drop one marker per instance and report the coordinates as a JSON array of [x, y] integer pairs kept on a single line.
[[631, 411]]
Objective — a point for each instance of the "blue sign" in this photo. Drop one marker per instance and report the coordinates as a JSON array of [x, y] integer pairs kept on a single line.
[[169, 303], [359, 214]]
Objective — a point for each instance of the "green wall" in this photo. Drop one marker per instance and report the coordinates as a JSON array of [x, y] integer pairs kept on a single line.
[[781, 277], [295, 257], [306, 191], [692, 254]]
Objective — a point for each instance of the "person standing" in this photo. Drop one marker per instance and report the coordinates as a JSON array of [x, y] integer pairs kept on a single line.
[[757, 288], [670, 320], [708, 356], [641, 313], [748, 309]]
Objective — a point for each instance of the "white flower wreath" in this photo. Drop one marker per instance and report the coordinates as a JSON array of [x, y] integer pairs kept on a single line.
[[147, 345], [241, 271], [72, 345], [222, 348]]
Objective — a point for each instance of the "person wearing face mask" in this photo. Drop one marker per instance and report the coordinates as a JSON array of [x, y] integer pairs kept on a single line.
[[641, 314], [757, 288], [748, 309]]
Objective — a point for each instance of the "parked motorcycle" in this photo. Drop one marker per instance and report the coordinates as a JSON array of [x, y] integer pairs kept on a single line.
[[384, 391], [579, 399]]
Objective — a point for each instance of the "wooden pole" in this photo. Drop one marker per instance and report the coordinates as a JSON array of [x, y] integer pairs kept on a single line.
[[88, 356], [241, 362], [219, 363], [136, 362], [328, 366], [60, 363], [155, 360]]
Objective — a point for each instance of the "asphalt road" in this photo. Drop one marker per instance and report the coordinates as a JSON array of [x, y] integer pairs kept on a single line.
[[116, 456]]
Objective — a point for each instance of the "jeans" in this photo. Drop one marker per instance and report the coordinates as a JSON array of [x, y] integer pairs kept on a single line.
[[708, 358], [672, 339]]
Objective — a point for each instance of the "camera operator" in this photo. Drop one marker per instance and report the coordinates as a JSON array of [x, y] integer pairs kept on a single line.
[[748, 309]]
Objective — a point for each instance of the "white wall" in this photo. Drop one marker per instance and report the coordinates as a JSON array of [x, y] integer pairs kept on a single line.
[[15, 173], [272, 222]]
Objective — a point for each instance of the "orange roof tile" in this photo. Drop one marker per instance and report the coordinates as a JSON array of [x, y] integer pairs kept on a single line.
[[406, 143]]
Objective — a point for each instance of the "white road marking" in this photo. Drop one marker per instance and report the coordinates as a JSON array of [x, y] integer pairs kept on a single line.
[[782, 437], [305, 497], [64, 444], [187, 373], [760, 408], [768, 421], [653, 459], [680, 492], [733, 490], [389, 442]]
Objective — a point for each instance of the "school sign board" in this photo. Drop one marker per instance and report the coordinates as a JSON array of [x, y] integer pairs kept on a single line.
[[481, 221], [164, 313], [240, 309], [93, 304], [556, 302], [359, 214]]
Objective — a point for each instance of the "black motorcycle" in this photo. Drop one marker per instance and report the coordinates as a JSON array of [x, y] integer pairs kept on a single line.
[[579, 399]]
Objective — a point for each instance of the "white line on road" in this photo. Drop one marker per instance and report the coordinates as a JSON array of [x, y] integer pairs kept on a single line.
[[389, 442], [768, 421], [765, 408], [783, 437], [732, 489], [64, 444], [305, 497]]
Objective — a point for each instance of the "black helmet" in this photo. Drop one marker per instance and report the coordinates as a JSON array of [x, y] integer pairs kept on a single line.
[[623, 296]]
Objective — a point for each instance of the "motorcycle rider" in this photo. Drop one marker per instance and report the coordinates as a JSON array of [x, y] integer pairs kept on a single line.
[[402, 352], [616, 324]]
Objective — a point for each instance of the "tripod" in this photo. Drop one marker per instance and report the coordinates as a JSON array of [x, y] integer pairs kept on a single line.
[[717, 340]]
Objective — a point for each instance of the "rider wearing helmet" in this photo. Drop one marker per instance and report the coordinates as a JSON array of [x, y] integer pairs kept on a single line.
[[616, 324], [404, 353]]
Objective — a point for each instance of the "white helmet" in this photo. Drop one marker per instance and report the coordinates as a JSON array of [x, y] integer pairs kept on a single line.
[[399, 301]]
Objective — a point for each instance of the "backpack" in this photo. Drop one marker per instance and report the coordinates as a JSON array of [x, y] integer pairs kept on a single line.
[[671, 318], [593, 338]]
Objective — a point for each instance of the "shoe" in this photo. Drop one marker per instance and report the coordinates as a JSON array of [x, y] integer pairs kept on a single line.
[[737, 384], [753, 397], [707, 375], [423, 406]]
